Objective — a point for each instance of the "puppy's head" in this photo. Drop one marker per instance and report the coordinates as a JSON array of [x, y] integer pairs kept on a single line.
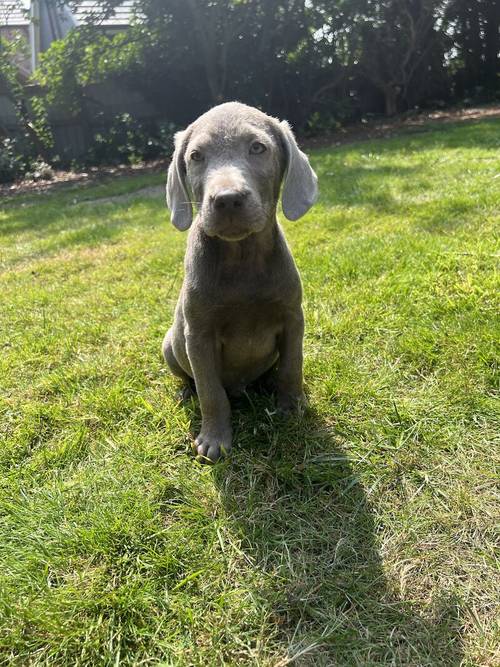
[[230, 163]]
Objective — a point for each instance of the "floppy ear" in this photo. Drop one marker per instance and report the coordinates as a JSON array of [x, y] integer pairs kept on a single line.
[[300, 183], [178, 199]]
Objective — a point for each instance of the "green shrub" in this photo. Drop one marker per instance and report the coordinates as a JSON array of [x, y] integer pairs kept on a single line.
[[13, 162], [129, 140]]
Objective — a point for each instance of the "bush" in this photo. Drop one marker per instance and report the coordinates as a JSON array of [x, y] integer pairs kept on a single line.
[[17, 161], [13, 161], [128, 140], [40, 171]]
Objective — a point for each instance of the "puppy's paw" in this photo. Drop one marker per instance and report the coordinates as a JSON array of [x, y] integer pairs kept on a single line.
[[210, 447], [291, 404], [186, 393]]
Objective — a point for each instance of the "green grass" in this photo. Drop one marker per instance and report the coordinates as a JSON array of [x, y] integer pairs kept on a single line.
[[362, 533]]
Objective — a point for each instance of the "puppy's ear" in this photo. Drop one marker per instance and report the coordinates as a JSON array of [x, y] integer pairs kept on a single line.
[[178, 199], [300, 183]]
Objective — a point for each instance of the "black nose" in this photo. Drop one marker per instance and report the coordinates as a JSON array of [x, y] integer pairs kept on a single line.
[[229, 200]]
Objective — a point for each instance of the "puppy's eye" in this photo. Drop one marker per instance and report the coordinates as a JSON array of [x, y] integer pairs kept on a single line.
[[256, 148], [196, 156]]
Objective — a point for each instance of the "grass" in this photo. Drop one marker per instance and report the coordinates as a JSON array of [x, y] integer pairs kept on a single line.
[[361, 534]]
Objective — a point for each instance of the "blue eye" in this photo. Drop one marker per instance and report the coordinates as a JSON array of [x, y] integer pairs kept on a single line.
[[257, 148]]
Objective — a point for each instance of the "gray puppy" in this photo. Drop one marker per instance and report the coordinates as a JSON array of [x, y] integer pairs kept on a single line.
[[239, 313]]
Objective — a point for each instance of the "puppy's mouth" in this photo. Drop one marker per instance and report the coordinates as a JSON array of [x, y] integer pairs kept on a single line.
[[230, 231], [233, 226], [233, 236]]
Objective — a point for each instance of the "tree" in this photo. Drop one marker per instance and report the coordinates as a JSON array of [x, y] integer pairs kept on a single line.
[[475, 28], [395, 39], [33, 129], [491, 16], [315, 62], [185, 55]]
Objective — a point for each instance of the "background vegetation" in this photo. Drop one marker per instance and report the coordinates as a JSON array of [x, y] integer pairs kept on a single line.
[[338, 58], [361, 534], [317, 63]]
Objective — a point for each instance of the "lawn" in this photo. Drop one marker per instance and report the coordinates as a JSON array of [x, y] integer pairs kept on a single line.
[[362, 533]]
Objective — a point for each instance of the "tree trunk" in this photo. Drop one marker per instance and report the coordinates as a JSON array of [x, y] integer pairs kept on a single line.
[[471, 43], [391, 95], [209, 51], [492, 43]]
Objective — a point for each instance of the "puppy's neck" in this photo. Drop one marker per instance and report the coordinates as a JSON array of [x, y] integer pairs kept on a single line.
[[252, 252]]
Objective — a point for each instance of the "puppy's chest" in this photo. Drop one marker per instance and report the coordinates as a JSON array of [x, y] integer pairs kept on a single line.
[[250, 287], [246, 295], [251, 328], [251, 303], [252, 314]]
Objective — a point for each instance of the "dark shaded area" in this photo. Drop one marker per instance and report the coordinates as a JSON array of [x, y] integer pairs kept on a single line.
[[315, 63], [92, 223], [365, 183], [119, 96], [298, 505]]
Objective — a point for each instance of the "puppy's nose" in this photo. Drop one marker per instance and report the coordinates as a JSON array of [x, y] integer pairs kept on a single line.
[[229, 200]]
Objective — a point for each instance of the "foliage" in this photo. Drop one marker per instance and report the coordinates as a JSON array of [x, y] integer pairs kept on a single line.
[[40, 171], [33, 124], [319, 64], [406, 29], [12, 160], [293, 58], [474, 28], [361, 534], [128, 140], [17, 153], [58, 72]]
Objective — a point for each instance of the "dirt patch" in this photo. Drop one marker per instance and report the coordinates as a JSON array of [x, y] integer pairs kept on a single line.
[[149, 192], [409, 122], [68, 180], [371, 129]]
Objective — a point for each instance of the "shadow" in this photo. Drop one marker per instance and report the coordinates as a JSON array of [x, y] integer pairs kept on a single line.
[[368, 185], [57, 229], [302, 517], [367, 182], [51, 217], [479, 133]]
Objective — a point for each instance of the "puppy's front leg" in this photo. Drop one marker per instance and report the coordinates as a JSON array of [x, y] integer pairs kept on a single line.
[[289, 382], [214, 438]]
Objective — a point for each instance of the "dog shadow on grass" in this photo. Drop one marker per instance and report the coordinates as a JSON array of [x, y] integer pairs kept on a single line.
[[305, 522]]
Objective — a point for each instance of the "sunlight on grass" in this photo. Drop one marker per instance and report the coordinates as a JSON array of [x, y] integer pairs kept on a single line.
[[359, 534]]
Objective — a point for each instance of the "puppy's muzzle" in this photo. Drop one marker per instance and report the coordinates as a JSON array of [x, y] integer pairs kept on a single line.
[[229, 202]]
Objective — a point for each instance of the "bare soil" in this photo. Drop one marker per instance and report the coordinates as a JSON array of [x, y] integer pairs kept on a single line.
[[72, 179], [150, 192], [408, 122]]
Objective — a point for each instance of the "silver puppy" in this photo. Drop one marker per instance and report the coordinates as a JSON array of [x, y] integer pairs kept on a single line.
[[239, 313]]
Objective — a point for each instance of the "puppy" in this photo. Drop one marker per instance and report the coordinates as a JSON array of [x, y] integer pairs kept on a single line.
[[239, 314]]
